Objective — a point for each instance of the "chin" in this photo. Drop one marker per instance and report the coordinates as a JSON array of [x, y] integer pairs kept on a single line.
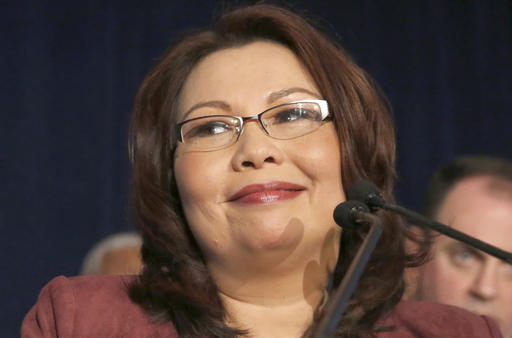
[[276, 236]]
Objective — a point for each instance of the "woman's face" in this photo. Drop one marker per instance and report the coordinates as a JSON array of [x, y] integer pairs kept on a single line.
[[260, 198]]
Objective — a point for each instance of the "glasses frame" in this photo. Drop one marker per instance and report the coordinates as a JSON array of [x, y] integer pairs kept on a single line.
[[324, 111]]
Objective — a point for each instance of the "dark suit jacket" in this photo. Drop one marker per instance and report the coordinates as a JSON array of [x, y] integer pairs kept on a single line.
[[99, 306]]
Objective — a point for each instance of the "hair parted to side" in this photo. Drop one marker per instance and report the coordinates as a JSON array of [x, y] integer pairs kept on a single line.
[[175, 284], [448, 175]]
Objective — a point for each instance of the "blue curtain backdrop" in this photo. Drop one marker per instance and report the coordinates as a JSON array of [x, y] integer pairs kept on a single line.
[[70, 71]]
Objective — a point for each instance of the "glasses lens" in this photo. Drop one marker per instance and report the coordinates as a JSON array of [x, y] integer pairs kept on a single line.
[[210, 132], [292, 120]]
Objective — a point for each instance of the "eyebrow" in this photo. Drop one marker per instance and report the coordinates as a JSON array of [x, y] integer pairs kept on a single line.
[[272, 97], [216, 104]]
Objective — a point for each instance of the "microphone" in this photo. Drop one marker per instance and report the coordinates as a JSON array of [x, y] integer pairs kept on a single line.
[[349, 215], [369, 194]]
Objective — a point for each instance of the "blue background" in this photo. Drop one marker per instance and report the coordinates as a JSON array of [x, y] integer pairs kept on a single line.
[[70, 70]]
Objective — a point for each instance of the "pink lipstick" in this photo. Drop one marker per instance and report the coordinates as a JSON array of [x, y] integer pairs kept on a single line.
[[267, 193]]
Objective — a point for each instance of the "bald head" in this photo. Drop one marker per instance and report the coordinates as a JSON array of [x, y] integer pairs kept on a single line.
[[118, 254]]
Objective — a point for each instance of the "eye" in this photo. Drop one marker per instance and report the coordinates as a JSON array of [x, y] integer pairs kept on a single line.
[[463, 257], [295, 114], [507, 268], [209, 128]]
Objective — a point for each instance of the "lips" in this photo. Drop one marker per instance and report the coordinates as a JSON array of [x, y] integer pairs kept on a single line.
[[267, 193]]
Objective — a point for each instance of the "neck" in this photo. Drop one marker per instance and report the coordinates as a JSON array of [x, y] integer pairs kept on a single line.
[[280, 301], [273, 318], [272, 307]]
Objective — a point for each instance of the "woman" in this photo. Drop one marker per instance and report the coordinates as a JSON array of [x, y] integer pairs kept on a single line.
[[245, 138]]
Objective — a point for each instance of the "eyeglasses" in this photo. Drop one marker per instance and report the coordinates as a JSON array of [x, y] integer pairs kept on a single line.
[[285, 121]]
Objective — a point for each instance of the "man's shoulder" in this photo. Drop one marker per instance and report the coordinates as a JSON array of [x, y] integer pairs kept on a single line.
[[430, 319]]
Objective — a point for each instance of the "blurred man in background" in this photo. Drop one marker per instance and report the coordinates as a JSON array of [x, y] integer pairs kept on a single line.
[[118, 254], [474, 195]]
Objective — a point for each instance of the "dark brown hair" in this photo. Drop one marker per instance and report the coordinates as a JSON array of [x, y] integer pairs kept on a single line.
[[175, 284]]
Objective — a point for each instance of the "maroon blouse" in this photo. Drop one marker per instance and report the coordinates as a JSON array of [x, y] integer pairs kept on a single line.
[[99, 306]]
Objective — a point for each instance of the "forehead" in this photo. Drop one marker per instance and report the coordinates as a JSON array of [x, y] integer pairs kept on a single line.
[[244, 75], [471, 207]]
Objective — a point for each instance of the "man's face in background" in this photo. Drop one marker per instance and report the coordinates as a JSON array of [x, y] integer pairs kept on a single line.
[[462, 276]]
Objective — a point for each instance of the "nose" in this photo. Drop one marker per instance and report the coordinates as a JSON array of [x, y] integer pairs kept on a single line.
[[485, 286], [255, 149]]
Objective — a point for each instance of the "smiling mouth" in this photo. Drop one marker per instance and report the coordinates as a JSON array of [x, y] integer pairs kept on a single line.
[[267, 193]]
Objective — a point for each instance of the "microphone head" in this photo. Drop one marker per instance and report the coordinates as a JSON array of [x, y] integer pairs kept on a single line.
[[344, 214], [366, 192]]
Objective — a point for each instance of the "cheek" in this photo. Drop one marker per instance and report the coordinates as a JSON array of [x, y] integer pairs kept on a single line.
[[199, 181], [318, 156], [194, 173], [188, 176], [506, 295], [440, 281]]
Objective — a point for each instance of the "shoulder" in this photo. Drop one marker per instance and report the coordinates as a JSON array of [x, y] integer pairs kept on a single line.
[[90, 306], [429, 319]]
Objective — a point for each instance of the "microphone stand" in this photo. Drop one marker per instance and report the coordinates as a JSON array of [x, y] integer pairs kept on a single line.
[[374, 200], [339, 301]]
